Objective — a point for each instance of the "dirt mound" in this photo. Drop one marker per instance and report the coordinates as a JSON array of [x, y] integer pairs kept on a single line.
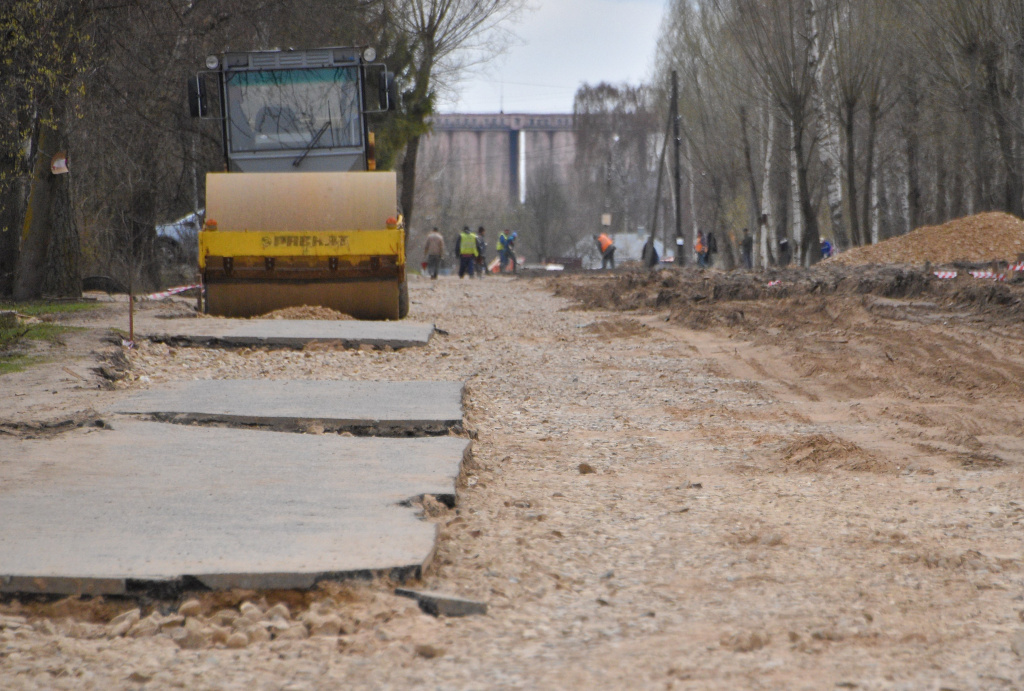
[[621, 328], [981, 238], [818, 452], [308, 312], [862, 330], [703, 300]]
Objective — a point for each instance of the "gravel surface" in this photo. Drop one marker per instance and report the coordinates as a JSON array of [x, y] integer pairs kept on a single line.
[[819, 493]]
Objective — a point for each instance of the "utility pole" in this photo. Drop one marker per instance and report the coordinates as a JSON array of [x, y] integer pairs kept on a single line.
[[680, 242]]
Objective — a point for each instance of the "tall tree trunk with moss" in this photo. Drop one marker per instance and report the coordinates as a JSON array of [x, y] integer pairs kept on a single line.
[[856, 237], [63, 261], [755, 202], [408, 168], [11, 209], [37, 230]]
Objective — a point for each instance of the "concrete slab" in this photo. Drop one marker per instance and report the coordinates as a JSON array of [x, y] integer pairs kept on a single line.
[[442, 604], [287, 333], [145, 504], [413, 407]]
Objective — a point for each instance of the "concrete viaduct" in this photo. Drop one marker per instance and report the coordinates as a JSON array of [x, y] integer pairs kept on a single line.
[[505, 151]]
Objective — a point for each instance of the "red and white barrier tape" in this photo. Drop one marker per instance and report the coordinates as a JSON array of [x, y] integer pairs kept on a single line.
[[169, 292], [989, 274], [1017, 267], [945, 274]]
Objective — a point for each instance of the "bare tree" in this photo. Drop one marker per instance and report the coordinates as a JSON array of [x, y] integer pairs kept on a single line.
[[772, 37], [976, 47], [614, 156], [820, 54], [897, 113], [443, 37]]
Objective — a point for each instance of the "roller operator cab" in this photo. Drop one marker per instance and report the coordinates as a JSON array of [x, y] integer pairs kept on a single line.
[[301, 216]]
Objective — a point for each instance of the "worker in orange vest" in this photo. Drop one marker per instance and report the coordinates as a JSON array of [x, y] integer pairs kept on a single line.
[[701, 249], [607, 247]]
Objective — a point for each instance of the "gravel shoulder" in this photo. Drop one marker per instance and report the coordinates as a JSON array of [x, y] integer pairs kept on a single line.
[[825, 493]]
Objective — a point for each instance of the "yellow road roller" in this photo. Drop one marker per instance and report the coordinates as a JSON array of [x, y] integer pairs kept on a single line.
[[300, 217]]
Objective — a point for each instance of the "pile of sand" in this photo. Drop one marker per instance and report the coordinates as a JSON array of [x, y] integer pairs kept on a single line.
[[981, 238], [818, 452], [308, 312]]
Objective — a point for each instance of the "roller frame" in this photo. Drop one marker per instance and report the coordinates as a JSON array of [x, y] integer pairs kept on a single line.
[[249, 273]]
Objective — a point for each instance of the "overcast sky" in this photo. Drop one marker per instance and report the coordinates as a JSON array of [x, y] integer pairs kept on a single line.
[[562, 44]]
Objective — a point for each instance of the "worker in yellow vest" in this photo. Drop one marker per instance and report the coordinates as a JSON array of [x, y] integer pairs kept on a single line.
[[506, 250], [468, 252]]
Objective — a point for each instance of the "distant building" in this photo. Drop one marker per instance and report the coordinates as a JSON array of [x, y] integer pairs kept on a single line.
[[502, 151]]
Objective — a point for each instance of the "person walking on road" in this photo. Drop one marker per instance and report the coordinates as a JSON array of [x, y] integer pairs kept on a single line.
[[467, 252], [434, 250], [505, 253], [607, 248], [747, 247], [510, 247], [481, 249], [785, 255], [700, 248], [712, 244], [649, 254]]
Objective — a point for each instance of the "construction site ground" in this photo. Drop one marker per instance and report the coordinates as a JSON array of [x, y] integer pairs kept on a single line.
[[679, 480]]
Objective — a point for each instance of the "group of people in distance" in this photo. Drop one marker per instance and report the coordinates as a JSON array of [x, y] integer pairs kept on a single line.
[[470, 251]]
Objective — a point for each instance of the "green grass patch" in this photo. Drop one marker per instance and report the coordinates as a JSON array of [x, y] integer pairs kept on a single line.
[[34, 332], [38, 308], [12, 355], [16, 363]]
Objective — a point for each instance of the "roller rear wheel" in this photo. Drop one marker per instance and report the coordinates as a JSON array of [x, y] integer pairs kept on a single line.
[[403, 300]]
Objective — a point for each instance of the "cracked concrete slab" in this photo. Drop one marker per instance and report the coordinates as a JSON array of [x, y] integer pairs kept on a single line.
[[287, 333], [114, 511], [396, 408]]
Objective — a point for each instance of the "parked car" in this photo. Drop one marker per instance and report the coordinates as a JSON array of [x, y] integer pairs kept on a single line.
[[177, 241]]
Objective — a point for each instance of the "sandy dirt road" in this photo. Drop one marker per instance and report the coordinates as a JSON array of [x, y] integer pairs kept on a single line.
[[820, 494]]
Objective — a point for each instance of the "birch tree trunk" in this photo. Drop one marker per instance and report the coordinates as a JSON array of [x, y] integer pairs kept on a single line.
[[870, 178], [764, 223], [905, 198], [829, 145], [796, 209], [875, 220], [693, 198]]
